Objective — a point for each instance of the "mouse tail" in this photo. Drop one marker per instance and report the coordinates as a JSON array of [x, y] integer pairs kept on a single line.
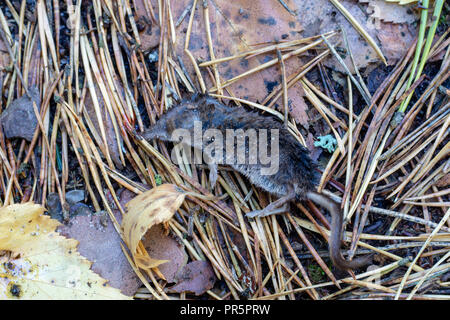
[[335, 233]]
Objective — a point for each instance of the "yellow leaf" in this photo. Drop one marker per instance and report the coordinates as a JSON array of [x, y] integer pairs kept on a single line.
[[150, 208], [38, 263]]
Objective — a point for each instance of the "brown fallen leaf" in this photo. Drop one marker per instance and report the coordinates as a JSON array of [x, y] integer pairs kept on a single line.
[[444, 181], [197, 277], [101, 245], [163, 247], [149, 32], [124, 196], [38, 263], [150, 208], [394, 39], [380, 10], [322, 16], [236, 27], [299, 110]]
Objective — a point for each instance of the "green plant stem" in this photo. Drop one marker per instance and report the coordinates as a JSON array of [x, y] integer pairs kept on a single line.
[[426, 50], [423, 26]]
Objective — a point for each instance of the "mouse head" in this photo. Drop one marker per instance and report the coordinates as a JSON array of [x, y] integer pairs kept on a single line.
[[180, 116]]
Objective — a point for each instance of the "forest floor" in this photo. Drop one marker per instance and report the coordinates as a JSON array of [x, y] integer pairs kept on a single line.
[[364, 85]]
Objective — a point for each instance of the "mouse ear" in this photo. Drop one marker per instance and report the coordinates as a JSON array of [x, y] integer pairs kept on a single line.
[[194, 100], [190, 96]]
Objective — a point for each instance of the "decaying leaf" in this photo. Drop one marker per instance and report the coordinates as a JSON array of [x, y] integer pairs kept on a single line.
[[381, 10], [240, 26], [150, 208], [149, 32], [322, 16], [163, 247], [100, 243], [444, 181], [38, 263], [196, 277], [394, 39]]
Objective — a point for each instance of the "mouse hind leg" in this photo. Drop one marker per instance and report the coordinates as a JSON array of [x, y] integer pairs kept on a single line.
[[213, 170], [213, 174], [278, 206]]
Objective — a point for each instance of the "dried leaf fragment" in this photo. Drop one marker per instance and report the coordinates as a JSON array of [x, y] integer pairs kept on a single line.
[[196, 277], [389, 11], [146, 210], [394, 38]]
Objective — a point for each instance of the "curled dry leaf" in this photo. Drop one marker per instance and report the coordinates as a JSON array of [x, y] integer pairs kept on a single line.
[[146, 210], [38, 263]]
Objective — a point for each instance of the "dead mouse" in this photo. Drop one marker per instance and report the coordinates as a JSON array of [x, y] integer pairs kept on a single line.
[[247, 135]]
